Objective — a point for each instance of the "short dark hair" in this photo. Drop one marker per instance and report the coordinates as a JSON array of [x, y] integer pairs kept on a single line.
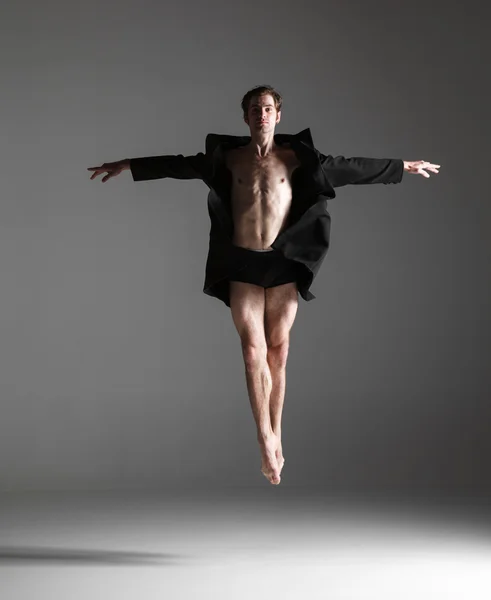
[[261, 90]]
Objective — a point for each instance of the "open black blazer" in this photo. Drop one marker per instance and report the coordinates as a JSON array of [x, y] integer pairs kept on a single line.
[[305, 239]]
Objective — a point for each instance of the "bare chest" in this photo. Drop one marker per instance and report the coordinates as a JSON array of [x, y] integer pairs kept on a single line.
[[257, 179], [261, 194]]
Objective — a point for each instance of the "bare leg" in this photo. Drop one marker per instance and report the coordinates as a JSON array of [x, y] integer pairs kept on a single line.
[[280, 311], [277, 356], [247, 302], [259, 385]]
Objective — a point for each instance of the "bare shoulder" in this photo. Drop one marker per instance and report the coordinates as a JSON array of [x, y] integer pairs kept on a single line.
[[286, 149], [290, 155]]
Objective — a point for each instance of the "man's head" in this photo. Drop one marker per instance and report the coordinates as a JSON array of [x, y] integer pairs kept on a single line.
[[262, 108]]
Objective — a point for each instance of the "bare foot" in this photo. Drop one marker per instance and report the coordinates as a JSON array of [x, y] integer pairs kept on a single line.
[[269, 464]]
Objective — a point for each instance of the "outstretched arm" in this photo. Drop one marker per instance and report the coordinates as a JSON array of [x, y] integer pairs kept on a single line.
[[175, 166], [358, 170]]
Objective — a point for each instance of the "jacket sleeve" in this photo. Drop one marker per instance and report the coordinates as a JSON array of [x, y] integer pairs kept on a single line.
[[175, 166], [358, 170]]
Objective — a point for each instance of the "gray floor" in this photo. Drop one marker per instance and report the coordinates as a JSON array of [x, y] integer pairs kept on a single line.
[[236, 543]]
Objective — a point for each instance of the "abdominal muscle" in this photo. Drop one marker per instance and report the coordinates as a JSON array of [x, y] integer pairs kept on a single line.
[[261, 196]]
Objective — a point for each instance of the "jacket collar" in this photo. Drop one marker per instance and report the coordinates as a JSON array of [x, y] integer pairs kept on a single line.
[[216, 140]]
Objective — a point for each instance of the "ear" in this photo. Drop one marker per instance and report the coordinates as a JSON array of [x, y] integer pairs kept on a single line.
[[278, 117]]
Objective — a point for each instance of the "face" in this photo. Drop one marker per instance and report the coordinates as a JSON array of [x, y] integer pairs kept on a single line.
[[262, 115]]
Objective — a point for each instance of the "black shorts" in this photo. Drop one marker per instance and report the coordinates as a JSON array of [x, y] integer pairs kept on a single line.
[[266, 268]]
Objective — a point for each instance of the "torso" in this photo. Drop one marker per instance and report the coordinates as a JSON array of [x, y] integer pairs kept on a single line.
[[261, 195]]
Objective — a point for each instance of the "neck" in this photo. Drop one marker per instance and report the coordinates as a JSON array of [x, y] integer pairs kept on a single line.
[[262, 144]]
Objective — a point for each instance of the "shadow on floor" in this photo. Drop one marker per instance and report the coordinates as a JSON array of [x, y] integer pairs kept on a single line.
[[19, 554]]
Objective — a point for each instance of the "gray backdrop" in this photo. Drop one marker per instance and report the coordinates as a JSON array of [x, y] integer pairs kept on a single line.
[[117, 371]]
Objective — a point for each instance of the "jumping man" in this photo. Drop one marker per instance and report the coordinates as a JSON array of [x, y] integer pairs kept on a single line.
[[269, 235]]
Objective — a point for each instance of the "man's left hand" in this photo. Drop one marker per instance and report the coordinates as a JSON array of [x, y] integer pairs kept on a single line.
[[419, 166]]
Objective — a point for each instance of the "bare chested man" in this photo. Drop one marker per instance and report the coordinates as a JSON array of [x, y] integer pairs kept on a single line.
[[261, 199], [263, 297]]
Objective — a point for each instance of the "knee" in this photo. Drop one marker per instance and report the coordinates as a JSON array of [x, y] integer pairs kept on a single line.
[[278, 354], [254, 352]]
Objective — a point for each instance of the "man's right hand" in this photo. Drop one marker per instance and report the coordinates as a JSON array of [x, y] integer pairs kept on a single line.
[[112, 169]]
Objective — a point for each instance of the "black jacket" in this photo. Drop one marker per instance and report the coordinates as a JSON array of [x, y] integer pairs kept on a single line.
[[305, 239]]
